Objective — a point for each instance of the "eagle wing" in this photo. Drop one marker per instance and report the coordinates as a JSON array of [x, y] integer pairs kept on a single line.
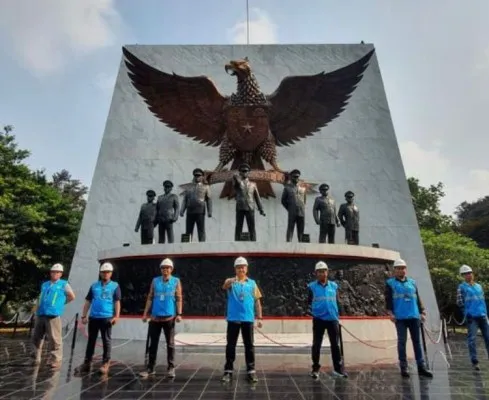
[[189, 105], [302, 105]]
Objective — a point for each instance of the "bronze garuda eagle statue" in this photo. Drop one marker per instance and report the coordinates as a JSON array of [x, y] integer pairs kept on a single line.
[[248, 125]]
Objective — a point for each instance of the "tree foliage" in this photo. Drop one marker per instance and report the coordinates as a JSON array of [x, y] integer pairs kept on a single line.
[[426, 201], [473, 220], [39, 221]]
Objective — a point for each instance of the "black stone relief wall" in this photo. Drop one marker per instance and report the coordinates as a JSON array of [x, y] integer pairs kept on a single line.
[[283, 282]]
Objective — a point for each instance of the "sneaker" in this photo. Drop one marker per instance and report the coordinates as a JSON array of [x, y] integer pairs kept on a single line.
[[146, 374], [339, 374], [404, 373], [476, 367], [171, 373], [85, 367], [252, 377], [227, 377], [104, 369], [422, 371], [314, 375]]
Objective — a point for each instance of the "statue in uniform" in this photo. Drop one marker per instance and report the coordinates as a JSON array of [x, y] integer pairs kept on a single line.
[[146, 219], [294, 201], [167, 208], [247, 197], [195, 200], [324, 212], [349, 216]]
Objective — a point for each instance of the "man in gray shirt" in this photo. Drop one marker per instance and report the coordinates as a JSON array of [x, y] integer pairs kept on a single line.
[[167, 208], [247, 197], [294, 201], [324, 212]]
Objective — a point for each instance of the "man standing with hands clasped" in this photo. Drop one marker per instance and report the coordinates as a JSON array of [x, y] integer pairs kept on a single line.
[[243, 300], [165, 301], [323, 306], [104, 301], [406, 309]]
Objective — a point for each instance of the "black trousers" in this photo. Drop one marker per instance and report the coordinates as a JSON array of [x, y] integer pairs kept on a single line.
[[326, 230], [232, 335], [147, 235], [352, 237], [105, 327], [154, 329], [165, 229], [199, 220], [291, 223], [333, 328], [250, 221]]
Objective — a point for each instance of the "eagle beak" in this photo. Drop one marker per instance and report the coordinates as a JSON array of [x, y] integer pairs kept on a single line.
[[229, 67]]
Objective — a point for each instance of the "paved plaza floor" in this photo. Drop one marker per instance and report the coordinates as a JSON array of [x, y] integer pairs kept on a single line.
[[282, 376]]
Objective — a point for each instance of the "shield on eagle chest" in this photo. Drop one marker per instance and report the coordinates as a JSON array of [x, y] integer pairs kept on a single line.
[[247, 126]]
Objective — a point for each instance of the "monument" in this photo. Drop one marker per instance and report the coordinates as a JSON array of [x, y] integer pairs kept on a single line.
[[296, 115]]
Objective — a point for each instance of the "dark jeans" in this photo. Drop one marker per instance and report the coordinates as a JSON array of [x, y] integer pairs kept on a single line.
[[352, 237], [291, 223], [473, 324], [199, 220], [165, 229], [248, 341], [155, 328], [250, 221], [414, 326], [147, 235], [326, 230], [333, 328], [105, 327]]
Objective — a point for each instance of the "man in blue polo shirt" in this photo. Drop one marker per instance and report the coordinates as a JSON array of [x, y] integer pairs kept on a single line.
[[55, 293], [471, 300], [165, 301], [243, 298], [104, 302], [406, 310], [323, 306]]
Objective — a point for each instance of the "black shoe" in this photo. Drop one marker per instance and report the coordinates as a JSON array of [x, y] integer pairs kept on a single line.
[[476, 367], [252, 377], [404, 373], [422, 371], [149, 372], [339, 374], [314, 375], [86, 367], [227, 377]]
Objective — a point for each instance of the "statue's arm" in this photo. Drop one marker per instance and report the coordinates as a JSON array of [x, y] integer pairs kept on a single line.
[[258, 202], [342, 215], [208, 200], [315, 210], [285, 198], [138, 222], [176, 208], [336, 215], [184, 204]]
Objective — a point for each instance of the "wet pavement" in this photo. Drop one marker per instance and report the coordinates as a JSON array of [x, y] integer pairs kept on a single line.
[[281, 376]]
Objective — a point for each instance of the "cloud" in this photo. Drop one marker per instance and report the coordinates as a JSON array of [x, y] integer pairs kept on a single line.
[[474, 187], [105, 82], [45, 35], [262, 29]]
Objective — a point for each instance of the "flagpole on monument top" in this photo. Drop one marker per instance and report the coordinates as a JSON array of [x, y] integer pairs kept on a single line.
[[247, 23]]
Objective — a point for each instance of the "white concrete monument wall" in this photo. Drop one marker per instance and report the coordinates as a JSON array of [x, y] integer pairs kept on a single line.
[[358, 151]]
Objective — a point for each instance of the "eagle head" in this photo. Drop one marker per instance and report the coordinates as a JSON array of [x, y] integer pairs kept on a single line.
[[239, 68]]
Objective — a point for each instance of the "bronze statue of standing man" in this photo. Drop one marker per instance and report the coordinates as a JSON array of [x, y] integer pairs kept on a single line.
[[247, 197], [349, 216], [294, 201], [195, 201], [167, 208], [146, 219], [324, 212]]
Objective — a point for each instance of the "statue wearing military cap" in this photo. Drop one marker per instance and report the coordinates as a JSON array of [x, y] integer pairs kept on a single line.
[[324, 212], [294, 201], [247, 199], [146, 218], [349, 217], [167, 208]]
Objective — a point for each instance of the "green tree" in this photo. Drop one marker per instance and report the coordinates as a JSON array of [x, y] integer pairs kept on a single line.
[[426, 201], [445, 253], [473, 220], [39, 222]]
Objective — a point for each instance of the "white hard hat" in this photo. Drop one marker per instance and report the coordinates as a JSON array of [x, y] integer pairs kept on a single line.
[[106, 267], [464, 269], [240, 261], [321, 265], [166, 263], [399, 263], [57, 268]]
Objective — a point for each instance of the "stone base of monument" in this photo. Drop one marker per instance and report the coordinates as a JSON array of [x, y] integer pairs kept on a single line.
[[281, 270]]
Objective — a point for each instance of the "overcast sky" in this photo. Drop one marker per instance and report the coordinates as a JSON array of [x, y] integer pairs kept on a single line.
[[59, 59]]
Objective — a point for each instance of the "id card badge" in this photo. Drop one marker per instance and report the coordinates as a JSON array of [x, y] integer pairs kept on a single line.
[[162, 297], [407, 298], [105, 295]]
